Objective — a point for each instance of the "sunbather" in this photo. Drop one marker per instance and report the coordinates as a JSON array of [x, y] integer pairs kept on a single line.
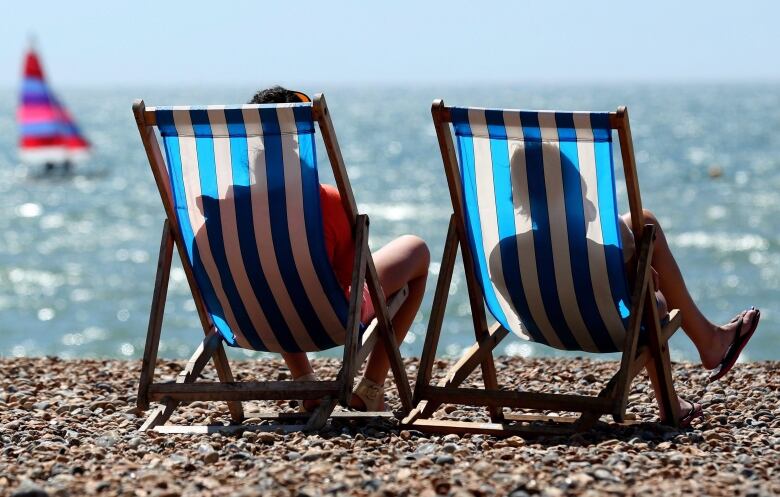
[[718, 346], [403, 261]]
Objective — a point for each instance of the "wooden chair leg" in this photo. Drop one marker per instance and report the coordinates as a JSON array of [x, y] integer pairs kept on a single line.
[[659, 351], [638, 295], [399, 372], [489, 377], [433, 333], [159, 415], [643, 353], [475, 356], [225, 375], [371, 335], [155, 317], [587, 420], [321, 414], [351, 342], [189, 374], [481, 331], [200, 358], [479, 354]]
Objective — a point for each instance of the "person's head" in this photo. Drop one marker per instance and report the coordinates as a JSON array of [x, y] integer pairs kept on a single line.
[[278, 95]]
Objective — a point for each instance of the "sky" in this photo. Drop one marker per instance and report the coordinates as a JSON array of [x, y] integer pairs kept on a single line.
[[195, 42]]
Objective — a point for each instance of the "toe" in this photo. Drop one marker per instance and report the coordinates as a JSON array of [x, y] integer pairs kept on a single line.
[[749, 320]]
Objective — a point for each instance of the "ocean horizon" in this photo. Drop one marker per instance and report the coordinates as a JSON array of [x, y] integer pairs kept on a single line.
[[78, 252]]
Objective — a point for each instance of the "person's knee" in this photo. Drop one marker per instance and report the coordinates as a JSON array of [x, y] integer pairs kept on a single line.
[[649, 217], [417, 250]]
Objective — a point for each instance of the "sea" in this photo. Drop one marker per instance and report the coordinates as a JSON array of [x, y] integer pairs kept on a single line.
[[78, 251]]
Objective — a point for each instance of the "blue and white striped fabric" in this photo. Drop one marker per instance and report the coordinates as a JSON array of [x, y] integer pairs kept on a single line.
[[246, 192], [542, 222]]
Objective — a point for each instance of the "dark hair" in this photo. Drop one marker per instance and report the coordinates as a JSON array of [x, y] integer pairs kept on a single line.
[[276, 95]]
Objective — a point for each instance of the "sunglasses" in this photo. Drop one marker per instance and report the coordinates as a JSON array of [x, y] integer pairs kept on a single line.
[[302, 96]]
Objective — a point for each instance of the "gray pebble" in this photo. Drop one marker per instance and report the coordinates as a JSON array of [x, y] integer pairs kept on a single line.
[[450, 448], [427, 448], [105, 441], [603, 474], [29, 489]]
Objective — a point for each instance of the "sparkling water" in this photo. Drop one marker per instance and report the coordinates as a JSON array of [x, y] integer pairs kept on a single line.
[[78, 253]]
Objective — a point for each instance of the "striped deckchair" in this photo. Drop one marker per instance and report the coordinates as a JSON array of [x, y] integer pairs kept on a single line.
[[241, 194], [535, 214]]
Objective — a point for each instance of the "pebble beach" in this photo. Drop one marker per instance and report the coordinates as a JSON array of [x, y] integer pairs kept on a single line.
[[69, 428]]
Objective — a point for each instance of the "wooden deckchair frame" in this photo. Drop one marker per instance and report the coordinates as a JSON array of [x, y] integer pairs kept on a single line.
[[613, 397], [185, 389]]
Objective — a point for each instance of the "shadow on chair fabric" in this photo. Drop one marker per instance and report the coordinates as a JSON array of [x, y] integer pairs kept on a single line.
[[240, 190], [597, 275], [535, 216]]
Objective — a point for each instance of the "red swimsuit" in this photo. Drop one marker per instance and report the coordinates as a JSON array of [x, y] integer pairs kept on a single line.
[[340, 245]]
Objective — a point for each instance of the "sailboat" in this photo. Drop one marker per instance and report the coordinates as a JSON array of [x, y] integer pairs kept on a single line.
[[49, 134]]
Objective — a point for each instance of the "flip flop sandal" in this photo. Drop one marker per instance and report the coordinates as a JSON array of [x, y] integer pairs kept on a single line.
[[372, 394], [694, 412], [740, 340]]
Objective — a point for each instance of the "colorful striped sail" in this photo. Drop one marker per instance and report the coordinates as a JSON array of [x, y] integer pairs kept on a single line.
[[48, 132], [542, 222], [245, 187]]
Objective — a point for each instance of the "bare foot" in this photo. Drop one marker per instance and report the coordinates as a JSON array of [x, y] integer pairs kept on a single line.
[[684, 405], [368, 396], [688, 412], [357, 404], [723, 337]]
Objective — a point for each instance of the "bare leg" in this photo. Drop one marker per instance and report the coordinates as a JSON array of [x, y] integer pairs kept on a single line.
[[299, 366], [710, 340], [298, 363], [403, 261]]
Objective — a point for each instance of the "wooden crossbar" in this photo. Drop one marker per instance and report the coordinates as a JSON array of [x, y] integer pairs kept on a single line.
[[291, 416], [517, 399], [246, 390]]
